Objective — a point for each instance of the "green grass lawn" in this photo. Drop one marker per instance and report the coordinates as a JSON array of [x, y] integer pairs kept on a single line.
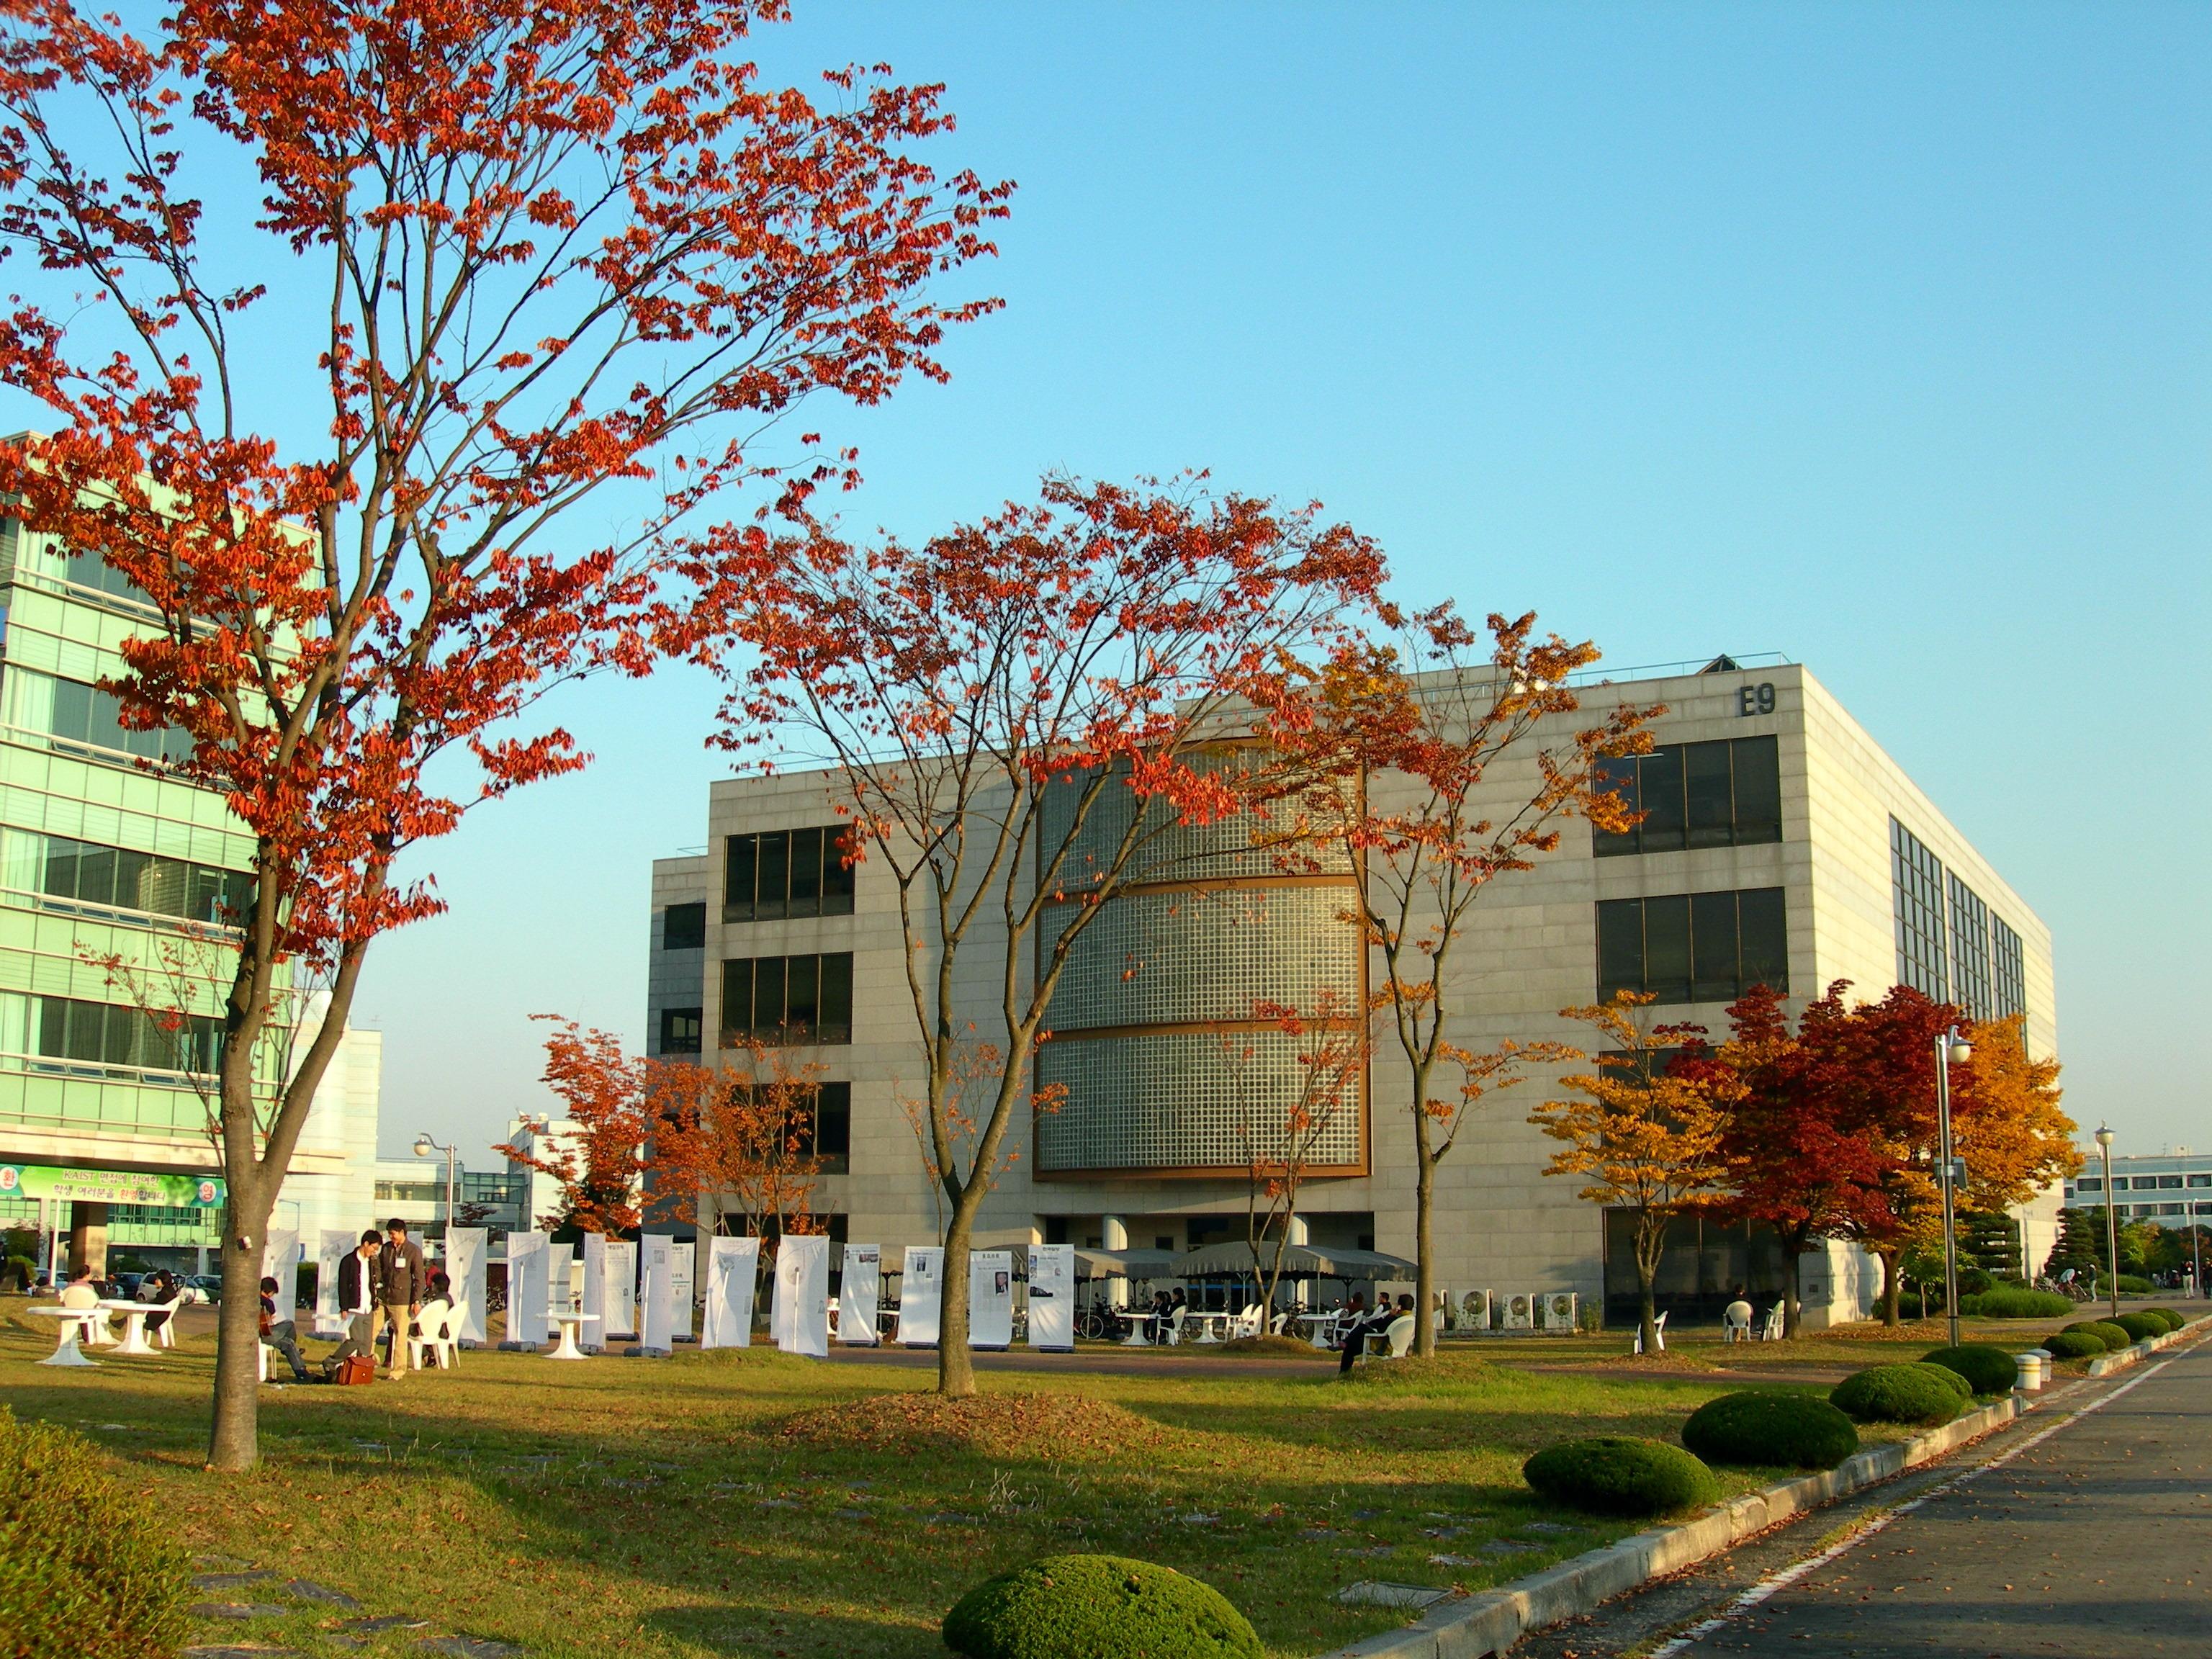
[[753, 1504]]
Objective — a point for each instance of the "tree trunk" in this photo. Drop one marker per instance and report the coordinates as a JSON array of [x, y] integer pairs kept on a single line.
[[1425, 1271], [1793, 1251], [1650, 1247], [234, 1438], [1891, 1267], [955, 1366]]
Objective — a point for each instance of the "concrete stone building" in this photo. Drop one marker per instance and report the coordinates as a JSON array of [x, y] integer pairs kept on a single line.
[[1781, 845]]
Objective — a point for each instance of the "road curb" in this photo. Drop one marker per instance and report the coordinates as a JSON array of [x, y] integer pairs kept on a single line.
[[1490, 1621]]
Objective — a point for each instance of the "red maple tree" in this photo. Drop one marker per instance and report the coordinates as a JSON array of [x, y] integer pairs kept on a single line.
[[548, 247], [1018, 716]]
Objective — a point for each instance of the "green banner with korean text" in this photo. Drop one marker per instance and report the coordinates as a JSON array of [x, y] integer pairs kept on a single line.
[[175, 1192]]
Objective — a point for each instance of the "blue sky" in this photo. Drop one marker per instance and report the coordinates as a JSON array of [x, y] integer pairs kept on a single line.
[[1873, 335]]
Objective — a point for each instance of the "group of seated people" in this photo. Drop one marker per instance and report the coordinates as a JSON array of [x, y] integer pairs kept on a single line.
[[1359, 1324]]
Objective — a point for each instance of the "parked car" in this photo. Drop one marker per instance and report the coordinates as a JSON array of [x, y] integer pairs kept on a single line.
[[208, 1287], [124, 1286]]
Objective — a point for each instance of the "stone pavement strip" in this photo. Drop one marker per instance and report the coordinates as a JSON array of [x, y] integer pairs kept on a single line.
[[2084, 1535]]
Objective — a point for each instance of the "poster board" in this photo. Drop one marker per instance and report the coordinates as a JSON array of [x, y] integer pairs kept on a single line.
[[859, 1294], [921, 1295], [1052, 1297], [656, 1296], [527, 1267], [800, 1312], [465, 1261], [560, 1280], [337, 1243], [592, 1300], [991, 1299], [733, 1266], [682, 1260], [620, 1288], [280, 1261]]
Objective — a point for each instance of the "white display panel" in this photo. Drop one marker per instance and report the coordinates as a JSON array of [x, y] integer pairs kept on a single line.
[[990, 1298], [337, 1243], [801, 1311], [860, 1290], [682, 1261], [621, 1288], [656, 1278], [594, 1299], [466, 1264], [921, 1295], [733, 1266], [528, 1265], [1052, 1297]]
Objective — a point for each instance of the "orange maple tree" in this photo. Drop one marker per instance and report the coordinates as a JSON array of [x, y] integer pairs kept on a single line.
[[534, 251], [1420, 728], [1018, 715]]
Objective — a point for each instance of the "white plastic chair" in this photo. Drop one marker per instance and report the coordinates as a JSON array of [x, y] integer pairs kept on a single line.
[[1658, 1330], [1275, 1325], [166, 1334], [1172, 1336], [1772, 1331], [434, 1329], [1399, 1334], [1735, 1327]]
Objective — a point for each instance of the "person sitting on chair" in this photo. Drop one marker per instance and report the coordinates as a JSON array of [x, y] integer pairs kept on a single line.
[[279, 1333], [1359, 1326], [82, 1290]]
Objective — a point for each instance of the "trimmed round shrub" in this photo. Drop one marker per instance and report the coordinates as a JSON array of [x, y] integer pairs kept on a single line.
[[2104, 1331], [1098, 1607], [1990, 1369], [2174, 1318], [1972, 1281], [88, 1570], [1950, 1379], [2141, 1326], [2006, 1303], [1613, 1475], [2073, 1345], [1768, 1428], [1896, 1394]]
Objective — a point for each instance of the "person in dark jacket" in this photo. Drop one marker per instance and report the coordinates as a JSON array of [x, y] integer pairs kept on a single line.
[[401, 1281], [280, 1334], [357, 1277]]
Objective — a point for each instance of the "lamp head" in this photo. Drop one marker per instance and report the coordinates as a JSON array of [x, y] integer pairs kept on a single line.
[[1961, 1051], [423, 1146], [2104, 1137]]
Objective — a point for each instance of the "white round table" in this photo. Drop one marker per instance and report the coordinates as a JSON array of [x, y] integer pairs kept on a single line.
[[1323, 1329], [74, 1321], [134, 1324], [571, 1325], [1209, 1325], [1138, 1324]]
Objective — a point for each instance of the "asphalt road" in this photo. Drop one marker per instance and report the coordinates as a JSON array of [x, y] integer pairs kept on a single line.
[[2094, 1542]]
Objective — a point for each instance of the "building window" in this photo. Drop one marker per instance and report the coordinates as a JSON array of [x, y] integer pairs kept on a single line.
[[78, 713], [2087, 1183], [787, 873], [1725, 794], [120, 878], [1917, 884], [822, 1127], [1971, 987], [2166, 1182], [102, 1033], [2201, 1181], [787, 998], [680, 1030], [1693, 947], [683, 928], [2010, 965]]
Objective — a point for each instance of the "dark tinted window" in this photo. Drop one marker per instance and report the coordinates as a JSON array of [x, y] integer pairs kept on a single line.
[[131, 880], [679, 1030], [683, 928], [1723, 794], [85, 713], [102, 1033], [788, 998], [1693, 947], [787, 873]]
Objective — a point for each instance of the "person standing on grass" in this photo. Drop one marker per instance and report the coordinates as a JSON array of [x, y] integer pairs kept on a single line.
[[357, 1280], [400, 1281]]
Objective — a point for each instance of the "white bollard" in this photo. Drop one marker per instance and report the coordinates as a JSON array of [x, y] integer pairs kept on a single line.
[[2032, 1369]]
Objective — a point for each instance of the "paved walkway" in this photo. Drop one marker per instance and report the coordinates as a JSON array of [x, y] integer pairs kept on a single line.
[[2094, 1541]]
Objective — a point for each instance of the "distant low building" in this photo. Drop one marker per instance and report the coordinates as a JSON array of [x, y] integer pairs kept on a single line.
[[2173, 1188]]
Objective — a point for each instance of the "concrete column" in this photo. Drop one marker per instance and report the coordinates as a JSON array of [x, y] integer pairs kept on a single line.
[[1114, 1234], [1298, 1235], [88, 1237]]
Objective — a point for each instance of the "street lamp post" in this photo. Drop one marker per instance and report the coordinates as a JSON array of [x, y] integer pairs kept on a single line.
[[1951, 1049], [426, 1147], [2111, 1226]]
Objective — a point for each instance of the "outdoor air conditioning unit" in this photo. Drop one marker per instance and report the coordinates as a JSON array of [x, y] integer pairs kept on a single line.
[[1472, 1312], [1520, 1313], [1558, 1310]]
